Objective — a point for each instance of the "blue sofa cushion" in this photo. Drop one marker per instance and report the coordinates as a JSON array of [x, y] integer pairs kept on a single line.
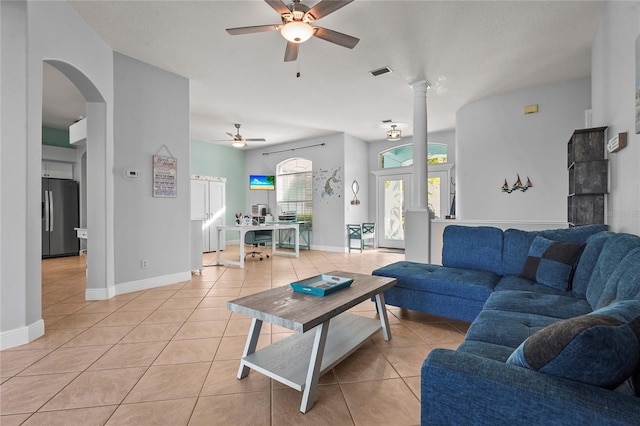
[[601, 348], [614, 250], [478, 248], [516, 243], [506, 328], [513, 282], [486, 350], [588, 261], [464, 283], [624, 282], [561, 306], [551, 262]]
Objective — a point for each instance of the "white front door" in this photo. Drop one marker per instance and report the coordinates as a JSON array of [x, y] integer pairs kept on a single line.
[[392, 191]]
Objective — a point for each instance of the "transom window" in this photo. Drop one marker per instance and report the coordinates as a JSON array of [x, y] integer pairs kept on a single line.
[[402, 156]]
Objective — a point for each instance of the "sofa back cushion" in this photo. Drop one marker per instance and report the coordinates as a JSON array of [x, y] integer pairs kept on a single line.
[[552, 262], [601, 348], [615, 249], [588, 261], [472, 247], [624, 282], [517, 242]]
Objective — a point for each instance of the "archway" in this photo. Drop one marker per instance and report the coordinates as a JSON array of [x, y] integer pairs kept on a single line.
[[99, 273]]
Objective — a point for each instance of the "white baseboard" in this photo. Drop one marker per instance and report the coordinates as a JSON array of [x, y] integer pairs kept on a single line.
[[100, 293], [131, 286], [328, 248], [22, 335]]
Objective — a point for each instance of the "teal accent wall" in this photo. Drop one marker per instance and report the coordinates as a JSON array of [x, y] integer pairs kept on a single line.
[[55, 137], [208, 159]]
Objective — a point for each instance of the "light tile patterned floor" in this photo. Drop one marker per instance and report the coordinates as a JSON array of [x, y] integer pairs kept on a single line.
[[169, 355]]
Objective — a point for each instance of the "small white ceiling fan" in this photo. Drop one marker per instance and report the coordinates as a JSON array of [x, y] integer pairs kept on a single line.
[[237, 140]]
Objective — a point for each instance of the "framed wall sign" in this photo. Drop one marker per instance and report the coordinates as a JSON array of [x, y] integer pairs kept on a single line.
[[164, 176]]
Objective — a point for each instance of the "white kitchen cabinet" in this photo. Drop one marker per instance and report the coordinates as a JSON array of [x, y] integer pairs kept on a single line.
[[57, 169], [208, 205]]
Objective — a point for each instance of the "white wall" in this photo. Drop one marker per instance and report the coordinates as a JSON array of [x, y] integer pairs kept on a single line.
[[13, 164], [495, 140], [328, 215], [33, 32], [613, 80], [151, 112], [356, 168]]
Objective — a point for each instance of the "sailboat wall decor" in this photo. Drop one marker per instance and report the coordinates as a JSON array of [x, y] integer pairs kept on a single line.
[[518, 185]]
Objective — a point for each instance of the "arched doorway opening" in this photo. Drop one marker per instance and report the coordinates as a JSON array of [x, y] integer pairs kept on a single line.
[[99, 272]]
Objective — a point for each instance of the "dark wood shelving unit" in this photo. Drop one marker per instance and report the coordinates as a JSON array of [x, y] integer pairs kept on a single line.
[[588, 177]]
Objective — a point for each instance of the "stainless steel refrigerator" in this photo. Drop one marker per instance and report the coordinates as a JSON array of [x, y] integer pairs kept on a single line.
[[59, 217]]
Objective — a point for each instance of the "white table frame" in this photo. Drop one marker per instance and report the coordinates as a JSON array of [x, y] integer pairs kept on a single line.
[[243, 229]]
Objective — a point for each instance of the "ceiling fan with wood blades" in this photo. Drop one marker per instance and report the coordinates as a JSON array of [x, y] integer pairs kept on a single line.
[[296, 25], [237, 140]]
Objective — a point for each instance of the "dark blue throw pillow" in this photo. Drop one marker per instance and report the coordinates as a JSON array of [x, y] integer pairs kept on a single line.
[[601, 348], [551, 262]]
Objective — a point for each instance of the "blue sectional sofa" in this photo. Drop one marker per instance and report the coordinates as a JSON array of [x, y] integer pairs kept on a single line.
[[555, 332]]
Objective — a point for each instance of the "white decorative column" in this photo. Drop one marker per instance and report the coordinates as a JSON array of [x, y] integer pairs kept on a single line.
[[417, 239]]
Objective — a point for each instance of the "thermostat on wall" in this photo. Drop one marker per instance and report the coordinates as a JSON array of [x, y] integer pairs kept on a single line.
[[131, 174]]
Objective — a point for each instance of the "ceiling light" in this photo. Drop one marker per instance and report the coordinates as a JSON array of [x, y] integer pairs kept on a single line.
[[394, 134], [297, 31], [238, 144]]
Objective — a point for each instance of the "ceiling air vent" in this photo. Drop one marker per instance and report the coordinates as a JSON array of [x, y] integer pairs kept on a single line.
[[380, 71]]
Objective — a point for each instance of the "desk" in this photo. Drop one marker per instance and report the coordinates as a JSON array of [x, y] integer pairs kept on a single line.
[[243, 229], [304, 232]]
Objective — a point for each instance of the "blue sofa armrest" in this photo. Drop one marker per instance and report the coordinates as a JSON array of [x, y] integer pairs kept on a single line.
[[463, 389]]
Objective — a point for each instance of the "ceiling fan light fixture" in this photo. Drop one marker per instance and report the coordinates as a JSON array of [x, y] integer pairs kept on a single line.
[[296, 31], [394, 134], [238, 144]]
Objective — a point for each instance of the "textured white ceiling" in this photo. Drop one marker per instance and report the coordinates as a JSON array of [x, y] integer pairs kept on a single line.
[[467, 49]]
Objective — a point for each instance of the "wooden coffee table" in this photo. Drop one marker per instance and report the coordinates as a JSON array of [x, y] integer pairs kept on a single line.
[[299, 360]]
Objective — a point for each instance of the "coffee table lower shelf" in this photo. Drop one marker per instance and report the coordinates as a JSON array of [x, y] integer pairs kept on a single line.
[[287, 360]]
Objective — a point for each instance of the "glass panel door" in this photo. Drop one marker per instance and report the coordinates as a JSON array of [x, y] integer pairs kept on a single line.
[[438, 190], [392, 193]]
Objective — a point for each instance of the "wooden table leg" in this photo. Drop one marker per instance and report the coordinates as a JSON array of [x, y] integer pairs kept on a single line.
[[384, 320], [250, 346], [315, 364]]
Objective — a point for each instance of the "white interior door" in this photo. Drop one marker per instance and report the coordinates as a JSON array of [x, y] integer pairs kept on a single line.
[[200, 208], [199, 190], [208, 205], [392, 191], [216, 211]]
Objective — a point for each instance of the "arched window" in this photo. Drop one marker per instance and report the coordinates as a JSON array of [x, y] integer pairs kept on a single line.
[[294, 188]]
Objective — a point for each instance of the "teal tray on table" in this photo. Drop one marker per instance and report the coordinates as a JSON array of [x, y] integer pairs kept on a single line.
[[321, 285]]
